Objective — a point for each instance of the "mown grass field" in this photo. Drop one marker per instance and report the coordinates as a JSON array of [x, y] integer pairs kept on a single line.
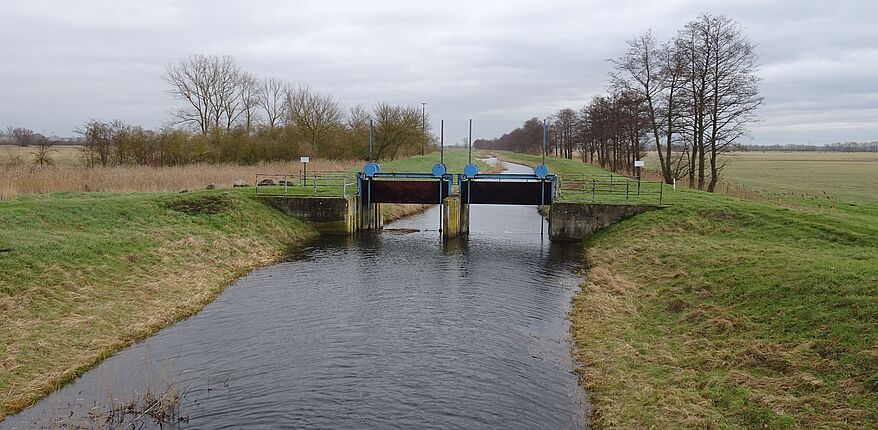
[[719, 312], [83, 274]]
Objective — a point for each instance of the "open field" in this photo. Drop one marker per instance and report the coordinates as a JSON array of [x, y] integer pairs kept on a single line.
[[718, 312], [62, 155], [800, 175]]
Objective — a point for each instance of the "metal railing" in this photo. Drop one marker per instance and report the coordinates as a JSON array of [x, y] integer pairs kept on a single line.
[[612, 189], [318, 183]]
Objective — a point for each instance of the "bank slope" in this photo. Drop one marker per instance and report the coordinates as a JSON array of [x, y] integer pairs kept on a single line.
[[85, 274], [723, 313]]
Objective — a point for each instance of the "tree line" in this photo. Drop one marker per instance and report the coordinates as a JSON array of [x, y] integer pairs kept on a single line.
[[230, 115], [691, 98]]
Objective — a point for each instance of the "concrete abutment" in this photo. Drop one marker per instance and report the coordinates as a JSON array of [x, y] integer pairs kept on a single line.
[[347, 215], [570, 222]]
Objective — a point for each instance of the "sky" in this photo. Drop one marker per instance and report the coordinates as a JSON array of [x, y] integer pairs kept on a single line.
[[63, 63]]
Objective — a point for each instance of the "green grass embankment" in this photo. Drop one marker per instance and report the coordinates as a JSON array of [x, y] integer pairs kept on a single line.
[[718, 312]]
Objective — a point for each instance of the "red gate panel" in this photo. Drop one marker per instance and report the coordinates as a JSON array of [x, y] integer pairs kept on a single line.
[[404, 191], [506, 192]]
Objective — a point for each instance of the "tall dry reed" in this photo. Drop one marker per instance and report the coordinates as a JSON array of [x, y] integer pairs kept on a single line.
[[16, 180]]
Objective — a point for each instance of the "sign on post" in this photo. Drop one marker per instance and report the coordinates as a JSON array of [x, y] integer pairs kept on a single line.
[[305, 161], [638, 163]]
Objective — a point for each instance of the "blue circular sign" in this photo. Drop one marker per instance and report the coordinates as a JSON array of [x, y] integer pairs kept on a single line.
[[471, 170], [541, 171], [370, 169], [438, 170]]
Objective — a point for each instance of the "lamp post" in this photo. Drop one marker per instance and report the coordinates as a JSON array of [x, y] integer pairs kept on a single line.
[[424, 127]]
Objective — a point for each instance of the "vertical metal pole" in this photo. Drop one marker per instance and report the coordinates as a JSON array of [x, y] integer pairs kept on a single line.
[[305, 174], [441, 204], [638, 181], [442, 142], [470, 140], [370, 140], [542, 204], [545, 138], [424, 127]]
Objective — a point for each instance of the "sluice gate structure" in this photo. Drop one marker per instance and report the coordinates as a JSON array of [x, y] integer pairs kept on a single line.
[[345, 203]]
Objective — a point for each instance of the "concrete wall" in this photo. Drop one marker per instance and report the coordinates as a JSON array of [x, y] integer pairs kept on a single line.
[[576, 221], [451, 217], [328, 215]]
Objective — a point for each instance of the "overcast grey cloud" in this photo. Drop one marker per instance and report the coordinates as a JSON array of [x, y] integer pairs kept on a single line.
[[64, 62]]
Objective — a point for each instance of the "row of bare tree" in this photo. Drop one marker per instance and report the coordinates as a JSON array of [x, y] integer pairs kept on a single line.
[[218, 95], [397, 132], [691, 98]]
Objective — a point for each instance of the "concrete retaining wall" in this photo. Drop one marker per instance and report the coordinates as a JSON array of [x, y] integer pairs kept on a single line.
[[328, 215], [576, 221], [340, 216]]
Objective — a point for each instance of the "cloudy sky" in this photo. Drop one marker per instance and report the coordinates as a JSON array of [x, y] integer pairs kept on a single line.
[[498, 62]]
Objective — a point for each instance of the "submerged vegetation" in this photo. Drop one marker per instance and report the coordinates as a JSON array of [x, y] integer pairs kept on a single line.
[[718, 312]]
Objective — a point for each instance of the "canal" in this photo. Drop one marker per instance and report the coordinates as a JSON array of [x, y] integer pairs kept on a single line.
[[385, 330]]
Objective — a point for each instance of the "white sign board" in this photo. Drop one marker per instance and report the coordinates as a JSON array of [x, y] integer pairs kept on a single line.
[[638, 163], [304, 159]]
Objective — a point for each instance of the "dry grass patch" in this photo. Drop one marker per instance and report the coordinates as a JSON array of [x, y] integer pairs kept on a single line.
[[16, 180], [393, 212]]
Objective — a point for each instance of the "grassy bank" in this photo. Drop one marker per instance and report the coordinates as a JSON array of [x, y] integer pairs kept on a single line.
[[85, 274], [719, 312]]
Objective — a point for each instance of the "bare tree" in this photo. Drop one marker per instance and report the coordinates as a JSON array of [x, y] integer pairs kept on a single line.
[[249, 93], [210, 89], [21, 136], [398, 130], [316, 116], [564, 131], [43, 152], [97, 142], [654, 73], [694, 47], [722, 92], [272, 101], [734, 89]]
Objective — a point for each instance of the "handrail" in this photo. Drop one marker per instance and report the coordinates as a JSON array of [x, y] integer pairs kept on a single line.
[[319, 183], [610, 189]]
